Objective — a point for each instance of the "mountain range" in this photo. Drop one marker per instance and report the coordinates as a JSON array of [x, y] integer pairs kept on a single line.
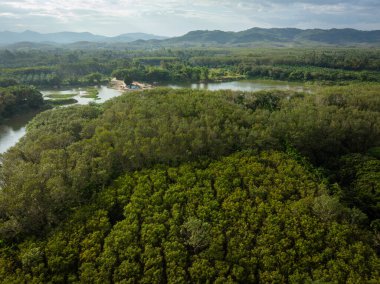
[[282, 35], [7, 37], [254, 36]]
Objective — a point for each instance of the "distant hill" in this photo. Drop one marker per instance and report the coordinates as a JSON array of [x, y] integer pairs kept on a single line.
[[129, 37], [277, 35], [251, 37], [7, 38]]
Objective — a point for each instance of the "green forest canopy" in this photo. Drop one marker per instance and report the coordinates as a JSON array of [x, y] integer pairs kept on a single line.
[[65, 67], [15, 99], [187, 186]]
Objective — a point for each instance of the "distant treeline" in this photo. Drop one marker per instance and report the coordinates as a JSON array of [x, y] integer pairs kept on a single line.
[[64, 67]]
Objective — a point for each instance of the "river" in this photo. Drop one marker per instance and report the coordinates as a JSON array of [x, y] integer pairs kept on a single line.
[[12, 130], [105, 93], [245, 86]]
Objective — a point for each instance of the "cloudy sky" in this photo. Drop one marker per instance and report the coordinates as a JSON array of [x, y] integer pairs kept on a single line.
[[176, 17]]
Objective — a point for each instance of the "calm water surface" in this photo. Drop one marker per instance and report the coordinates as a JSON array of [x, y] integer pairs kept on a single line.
[[12, 130], [245, 86], [105, 93]]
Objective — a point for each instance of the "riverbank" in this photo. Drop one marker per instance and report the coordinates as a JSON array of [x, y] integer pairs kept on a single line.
[[121, 86]]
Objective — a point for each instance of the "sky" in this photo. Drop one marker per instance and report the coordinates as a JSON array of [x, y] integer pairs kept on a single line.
[[176, 17]]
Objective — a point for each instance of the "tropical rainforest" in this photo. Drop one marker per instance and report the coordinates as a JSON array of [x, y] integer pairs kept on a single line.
[[194, 186]]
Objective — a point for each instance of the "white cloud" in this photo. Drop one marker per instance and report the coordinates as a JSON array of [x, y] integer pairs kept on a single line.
[[171, 17], [326, 9], [9, 15]]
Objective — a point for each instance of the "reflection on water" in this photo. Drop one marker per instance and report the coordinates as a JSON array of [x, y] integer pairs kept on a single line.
[[105, 93], [12, 130], [245, 86]]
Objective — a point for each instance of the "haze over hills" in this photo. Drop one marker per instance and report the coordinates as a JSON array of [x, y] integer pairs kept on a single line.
[[332, 36], [254, 36], [7, 37]]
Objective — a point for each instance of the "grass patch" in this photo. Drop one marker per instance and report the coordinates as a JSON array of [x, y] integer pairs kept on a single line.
[[91, 93], [62, 102], [61, 96]]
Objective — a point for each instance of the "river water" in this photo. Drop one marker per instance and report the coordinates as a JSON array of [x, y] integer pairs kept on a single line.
[[244, 86], [105, 93], [12, 130]]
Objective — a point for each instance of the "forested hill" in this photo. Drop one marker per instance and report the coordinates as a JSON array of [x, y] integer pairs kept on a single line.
[[289, 35]]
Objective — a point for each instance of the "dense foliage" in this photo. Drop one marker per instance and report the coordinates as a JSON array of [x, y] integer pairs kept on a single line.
[[15, 99], [129, 191], [185, 186], [248, 218], [62, 67]]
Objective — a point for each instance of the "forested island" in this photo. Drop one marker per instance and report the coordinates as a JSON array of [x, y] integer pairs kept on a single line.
[[193, 186], [19, 98]]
